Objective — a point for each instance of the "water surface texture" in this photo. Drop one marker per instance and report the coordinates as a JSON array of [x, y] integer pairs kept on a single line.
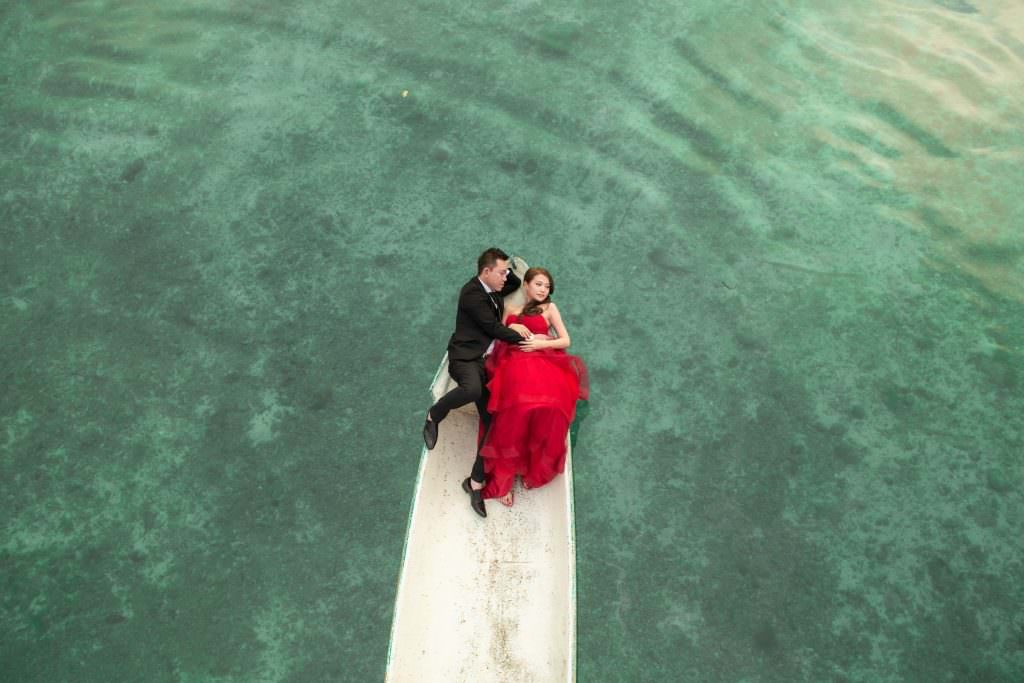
[[786, 236]]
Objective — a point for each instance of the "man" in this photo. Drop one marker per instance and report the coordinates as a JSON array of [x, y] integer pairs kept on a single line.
[[477, 326]]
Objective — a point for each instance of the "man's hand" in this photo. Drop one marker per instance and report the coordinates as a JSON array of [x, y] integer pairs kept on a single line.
[[523, 330], [518, 265]]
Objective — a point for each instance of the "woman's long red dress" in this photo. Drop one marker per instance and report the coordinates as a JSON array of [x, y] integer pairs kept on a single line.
[[532, 403]]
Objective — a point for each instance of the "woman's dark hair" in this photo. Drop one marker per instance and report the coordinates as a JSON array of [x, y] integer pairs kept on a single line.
[[489, 258], [535, 307]]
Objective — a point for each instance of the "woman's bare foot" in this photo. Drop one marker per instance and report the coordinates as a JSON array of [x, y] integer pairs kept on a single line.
[[507, 499]]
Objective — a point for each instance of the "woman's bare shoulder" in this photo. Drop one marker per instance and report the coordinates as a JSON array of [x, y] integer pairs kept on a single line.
[[549, 311]]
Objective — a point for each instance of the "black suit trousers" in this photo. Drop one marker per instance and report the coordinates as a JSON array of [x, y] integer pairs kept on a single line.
[[472, 388]]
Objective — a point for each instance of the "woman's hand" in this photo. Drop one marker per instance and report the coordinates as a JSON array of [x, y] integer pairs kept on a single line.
[[534, 344]]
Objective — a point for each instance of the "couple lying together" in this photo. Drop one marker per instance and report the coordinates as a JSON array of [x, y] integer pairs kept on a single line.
[[517, 372]]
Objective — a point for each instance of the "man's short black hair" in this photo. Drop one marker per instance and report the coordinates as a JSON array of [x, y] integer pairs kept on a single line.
[[489, 258]]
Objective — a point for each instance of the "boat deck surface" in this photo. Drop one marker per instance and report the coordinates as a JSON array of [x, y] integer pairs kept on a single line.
[[484, 600]]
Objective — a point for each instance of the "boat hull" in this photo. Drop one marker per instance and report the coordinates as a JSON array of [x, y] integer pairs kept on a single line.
[[483, 599]]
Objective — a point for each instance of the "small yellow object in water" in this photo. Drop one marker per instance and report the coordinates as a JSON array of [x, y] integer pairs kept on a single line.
[[405, 93]]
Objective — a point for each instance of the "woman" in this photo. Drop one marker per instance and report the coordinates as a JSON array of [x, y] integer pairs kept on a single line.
[[534, 387]]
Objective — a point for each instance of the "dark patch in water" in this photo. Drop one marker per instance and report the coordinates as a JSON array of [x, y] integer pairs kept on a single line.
[[690, 54], [846, 453], [602, 375], [172, 38], [869, 141], [782, 233], [994, 253], [661, 260], [133, 170], [113, 53], [748, 342], [899, 400], [181, 316], [862, 167], [998, 481], [66, 82], [386, 260], [671, 121], [441, 153], [889, 114], [944, 581], [997, 369], [765, 638], [556, 42], [957, 6], [255, 18], [319, 399], [934, 220], [984, 512]]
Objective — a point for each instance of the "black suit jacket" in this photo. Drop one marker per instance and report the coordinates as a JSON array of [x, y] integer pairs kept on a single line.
[[477, 323]]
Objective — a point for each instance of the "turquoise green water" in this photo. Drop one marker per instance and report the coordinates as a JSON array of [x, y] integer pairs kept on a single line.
[[787, 239]]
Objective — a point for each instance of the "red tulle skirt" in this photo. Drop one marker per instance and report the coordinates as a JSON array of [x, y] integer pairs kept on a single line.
[[532, 403]]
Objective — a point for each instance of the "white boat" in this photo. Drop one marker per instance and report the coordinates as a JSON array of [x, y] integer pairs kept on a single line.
[[483, 600]]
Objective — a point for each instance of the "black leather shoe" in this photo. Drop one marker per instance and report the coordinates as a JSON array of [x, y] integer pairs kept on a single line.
[[430, 434], [476, 498]]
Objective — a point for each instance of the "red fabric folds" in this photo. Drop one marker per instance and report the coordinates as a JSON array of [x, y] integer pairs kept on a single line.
[[532, 403]]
